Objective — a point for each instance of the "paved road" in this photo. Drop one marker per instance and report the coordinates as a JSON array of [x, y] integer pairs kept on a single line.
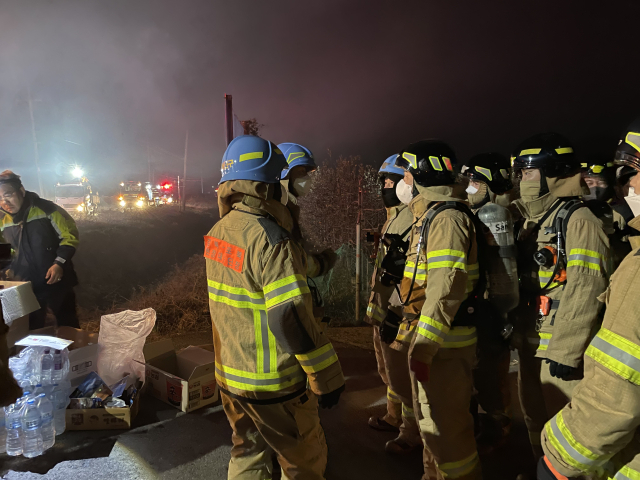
[[165, 443]]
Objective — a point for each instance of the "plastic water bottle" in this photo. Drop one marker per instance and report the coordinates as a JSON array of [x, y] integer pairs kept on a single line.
[[46, 367], [3, 432], [60, 398], [31, 428], [14, 429], [45, 407], [58, 373]]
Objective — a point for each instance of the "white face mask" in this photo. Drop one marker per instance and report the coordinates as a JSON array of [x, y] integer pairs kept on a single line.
[[633, 200], [471, 190], [404, 192], [301, 186]]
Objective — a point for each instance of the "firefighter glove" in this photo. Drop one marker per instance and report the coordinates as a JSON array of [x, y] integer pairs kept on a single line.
[[329, 258], [329, 400], [420, 369], [389, 327], [559, 370]]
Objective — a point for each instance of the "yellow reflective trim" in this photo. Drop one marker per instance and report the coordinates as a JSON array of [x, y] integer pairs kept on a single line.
[[530, 151], [582, 263], [258, 376], [461, 468], [287, 296], [257, 329], [235, 290], [627, 472], [251, 156], [411, 158], [448, 264], [322, 365], [484, 171], [562, 150], [632, 138], [236, 303], [294, 155], [439, 253], [584, 251], [284, 282], [435, 163], [315, 353]]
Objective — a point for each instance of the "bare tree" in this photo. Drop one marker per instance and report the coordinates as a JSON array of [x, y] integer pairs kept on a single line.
[[252, 127]]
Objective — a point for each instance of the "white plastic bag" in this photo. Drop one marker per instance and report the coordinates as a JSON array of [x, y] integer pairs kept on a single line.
[[121, 340]]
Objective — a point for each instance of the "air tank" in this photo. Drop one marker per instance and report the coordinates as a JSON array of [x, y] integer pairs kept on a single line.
[[502, 287]]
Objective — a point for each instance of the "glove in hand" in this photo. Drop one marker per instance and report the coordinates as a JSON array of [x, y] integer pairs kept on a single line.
[[559, 370], [389, 327], [331, 399], [420, 369]]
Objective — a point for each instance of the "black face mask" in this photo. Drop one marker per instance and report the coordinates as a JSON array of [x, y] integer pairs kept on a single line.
[[603, 194], [389, 197]]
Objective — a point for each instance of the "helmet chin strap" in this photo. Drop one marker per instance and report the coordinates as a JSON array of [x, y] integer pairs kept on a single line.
[[544, 186]]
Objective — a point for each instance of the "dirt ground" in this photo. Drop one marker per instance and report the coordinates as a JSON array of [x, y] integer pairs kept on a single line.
[[120, 252]]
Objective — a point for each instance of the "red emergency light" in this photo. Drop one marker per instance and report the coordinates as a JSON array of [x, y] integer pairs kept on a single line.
[[166, 186]]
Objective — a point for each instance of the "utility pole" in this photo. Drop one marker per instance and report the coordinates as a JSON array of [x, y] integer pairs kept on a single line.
[[358, 262], [228, 118], [201, 184], [184, 178], [35, 141], [149, 165]]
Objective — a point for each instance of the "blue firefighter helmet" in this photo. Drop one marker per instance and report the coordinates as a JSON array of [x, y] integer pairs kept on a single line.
[[252, 158], [296, 155], [389, 167]]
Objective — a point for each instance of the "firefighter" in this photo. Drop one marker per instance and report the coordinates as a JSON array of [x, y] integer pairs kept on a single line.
[[489, 177], [297, 181], [600, 177], [393, 365], [442, 352], [597, 433], [273, 364], [44, 238], [563, 254]]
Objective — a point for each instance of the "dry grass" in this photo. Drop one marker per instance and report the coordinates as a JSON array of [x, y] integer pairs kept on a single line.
[[180, 301]]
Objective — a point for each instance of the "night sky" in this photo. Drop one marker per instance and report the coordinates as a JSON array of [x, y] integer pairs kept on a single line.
[[112, 80]]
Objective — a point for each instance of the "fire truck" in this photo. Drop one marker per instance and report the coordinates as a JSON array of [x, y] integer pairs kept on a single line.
[[132, 195], [77, 197], [161, 194]]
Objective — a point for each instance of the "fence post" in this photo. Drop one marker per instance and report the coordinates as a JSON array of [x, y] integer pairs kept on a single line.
[[358, 262]]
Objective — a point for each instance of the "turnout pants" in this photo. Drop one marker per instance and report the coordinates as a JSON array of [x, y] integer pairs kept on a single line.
[[290, 429], [491, 381], [541, 395], [446, 424], [393, 367]]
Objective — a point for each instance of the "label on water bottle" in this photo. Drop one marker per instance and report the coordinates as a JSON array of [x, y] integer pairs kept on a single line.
[[498, 227], [47, 417], [32, 425]]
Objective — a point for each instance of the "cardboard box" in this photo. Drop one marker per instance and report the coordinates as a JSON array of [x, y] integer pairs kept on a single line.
[[103, 418], [184, 379], [18, 301]]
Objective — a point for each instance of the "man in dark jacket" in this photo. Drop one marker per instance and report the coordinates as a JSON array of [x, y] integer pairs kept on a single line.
[[44, 238]]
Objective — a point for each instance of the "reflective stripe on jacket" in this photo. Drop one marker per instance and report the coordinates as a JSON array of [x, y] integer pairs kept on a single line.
[[398, 221], [571, 323], [257, 283], [597, 432], [452, 271], [48, 235]]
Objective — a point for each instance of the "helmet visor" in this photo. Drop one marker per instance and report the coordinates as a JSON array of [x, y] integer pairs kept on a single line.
[[625, 159], [406, 161]]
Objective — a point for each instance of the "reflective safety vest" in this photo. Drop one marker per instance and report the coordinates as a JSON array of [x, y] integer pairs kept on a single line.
[[267, 344]]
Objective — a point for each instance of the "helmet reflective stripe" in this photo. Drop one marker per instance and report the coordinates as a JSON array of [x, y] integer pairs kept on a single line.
[[633, 139], [484, 171], [411, 158], [504, 173], [293, 155], [530, 151], [251, 156], [435, 163], [564, 150], [447, 163]]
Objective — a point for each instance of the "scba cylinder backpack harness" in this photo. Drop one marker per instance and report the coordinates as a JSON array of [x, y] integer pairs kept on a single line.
[[475, 305], [549, 256]]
